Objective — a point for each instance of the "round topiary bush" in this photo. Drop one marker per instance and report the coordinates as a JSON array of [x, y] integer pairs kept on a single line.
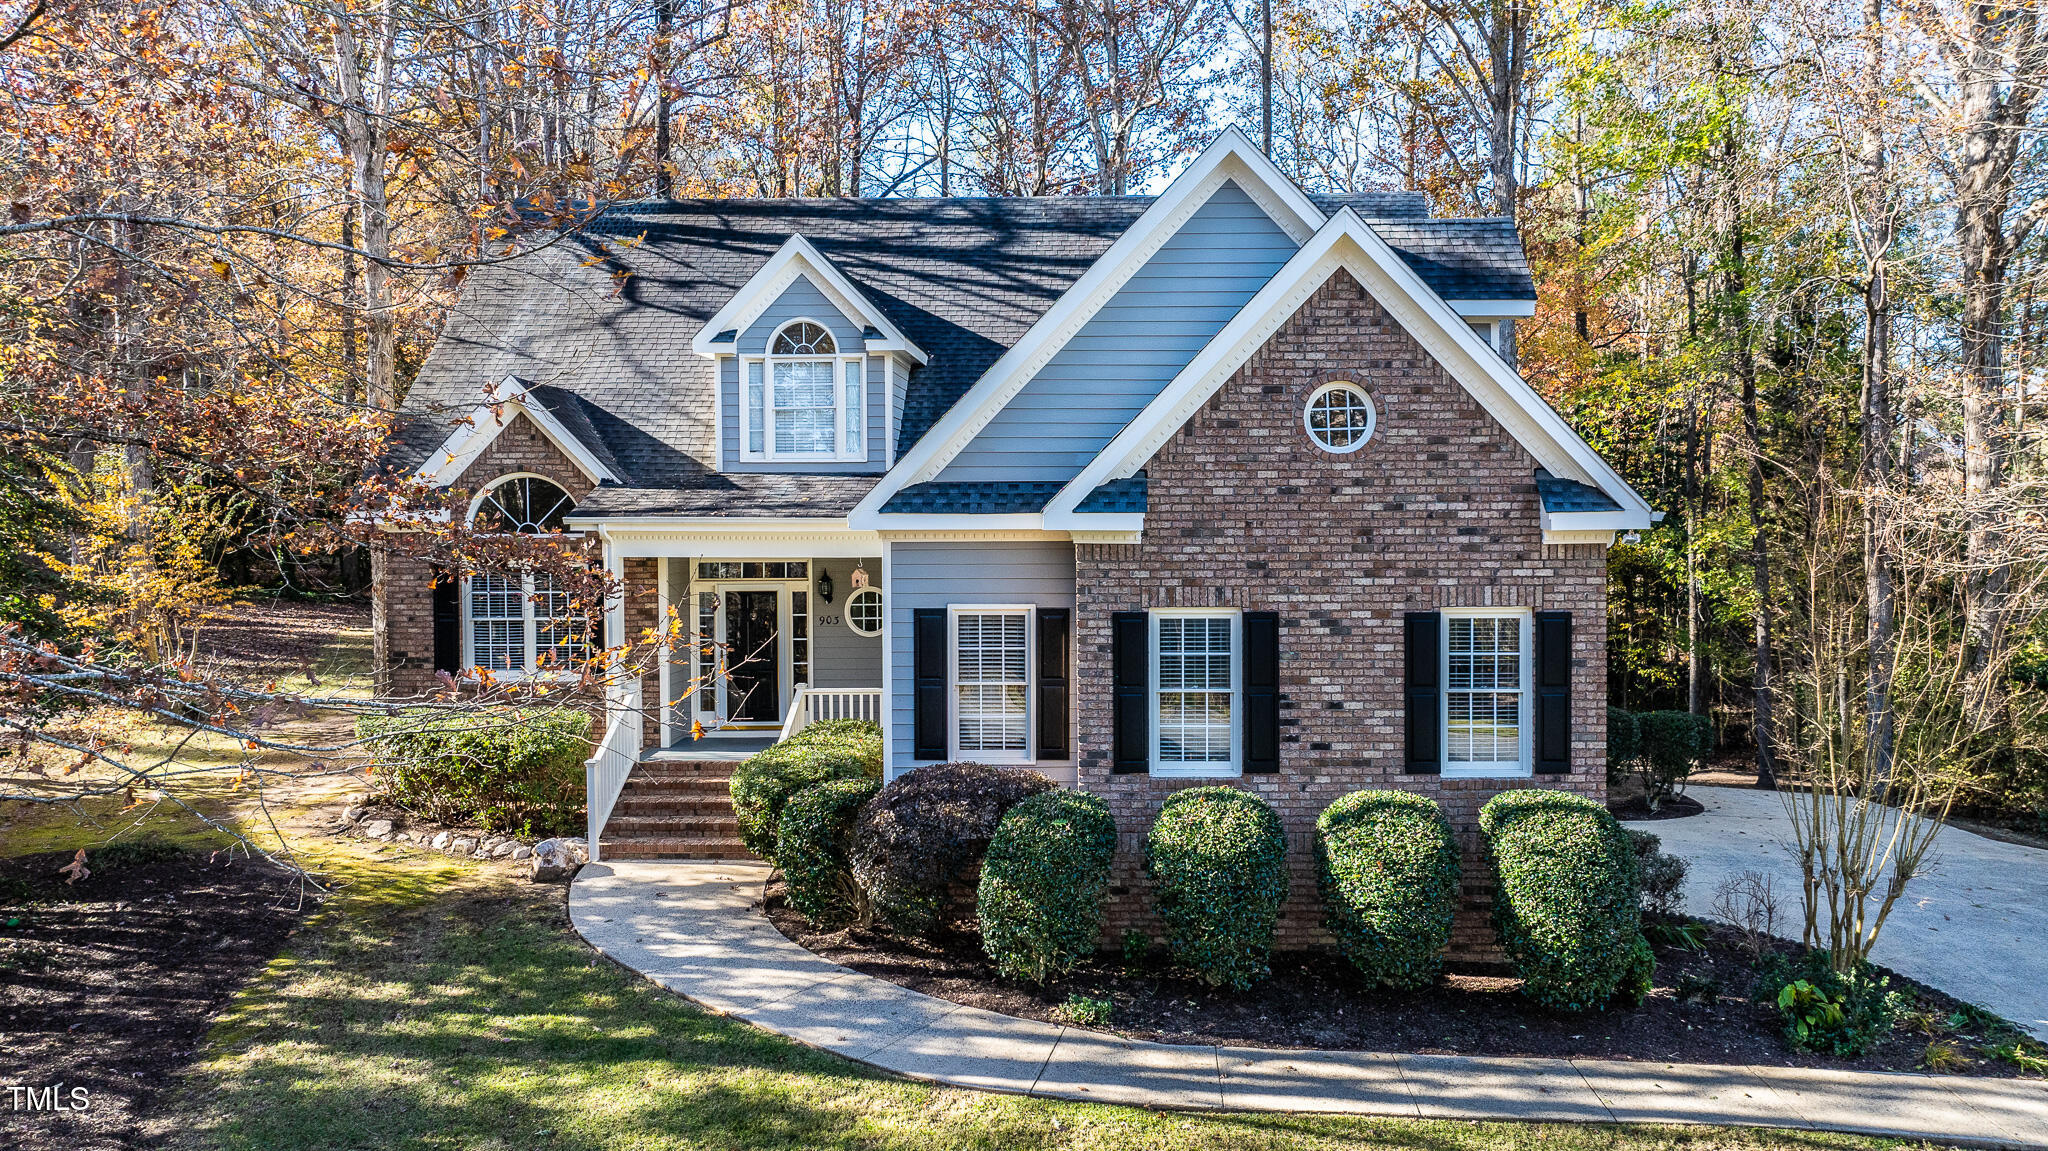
[[519, 769], [1217, 857], [1042, 883], [811, 843], [1388, 869], [835, 749], [1566, 899], [926, 832]]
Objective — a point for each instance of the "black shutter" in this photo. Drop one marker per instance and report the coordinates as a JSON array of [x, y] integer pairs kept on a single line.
[[1553, 692], [928, 666], [1130, 648], [1262, 691], [1422, 685], [1053, 717], [447, 621]]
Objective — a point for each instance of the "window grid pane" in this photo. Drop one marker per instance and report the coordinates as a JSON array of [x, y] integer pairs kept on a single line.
[[497, 623], [707, 651], [757, 416], [804, 411], [1483, 689], [1194, 670], [856, 412], [800, 637], [992, 681], [558, 635]]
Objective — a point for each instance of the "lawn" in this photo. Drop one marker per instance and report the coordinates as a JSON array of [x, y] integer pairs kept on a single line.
[[435, 1004]]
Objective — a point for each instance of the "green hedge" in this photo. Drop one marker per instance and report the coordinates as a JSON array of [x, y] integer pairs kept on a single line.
[[1566, 899], [519, 769], [1042, 883], [919, 841], [1218, 862], [811, 843], [1388, 868], [1624, 742], [834, 749], [1673, 745]]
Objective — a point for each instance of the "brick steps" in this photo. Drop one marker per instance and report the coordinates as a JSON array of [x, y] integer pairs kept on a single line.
[[675, 810]]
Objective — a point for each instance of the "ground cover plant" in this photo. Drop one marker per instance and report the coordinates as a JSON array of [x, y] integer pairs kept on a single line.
[[1042, 883], [764, 782], [1387, 865], [1567, 898], [815, 834], [1217, 857], [918, 843], [516, 770]]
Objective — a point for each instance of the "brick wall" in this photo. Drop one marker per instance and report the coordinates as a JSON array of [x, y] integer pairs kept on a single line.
[[1438, 510], [407, 661]]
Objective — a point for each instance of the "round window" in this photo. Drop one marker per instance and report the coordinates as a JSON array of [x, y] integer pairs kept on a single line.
[[864, 611], [1339, 418]]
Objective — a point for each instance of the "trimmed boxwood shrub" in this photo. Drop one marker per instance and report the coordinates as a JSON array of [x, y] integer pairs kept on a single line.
[[519, 769], [834, 749], [1673, 745], [1624, 742], [811, 843], [1042, 884], [1217, 857], [925, 832], [1566, 899], [1388, 868]]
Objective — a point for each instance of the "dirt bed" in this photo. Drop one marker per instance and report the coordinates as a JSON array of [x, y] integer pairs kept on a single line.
[[1313, 1000], [110, 985]]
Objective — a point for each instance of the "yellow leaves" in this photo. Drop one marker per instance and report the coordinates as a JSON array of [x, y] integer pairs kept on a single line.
[[221, 269]]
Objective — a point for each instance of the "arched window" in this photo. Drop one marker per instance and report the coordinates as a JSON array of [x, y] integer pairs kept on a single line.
[[805, 400], [520, 623]]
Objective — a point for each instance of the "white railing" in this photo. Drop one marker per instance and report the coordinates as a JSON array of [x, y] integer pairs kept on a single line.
[[813, 704], [604, 774]]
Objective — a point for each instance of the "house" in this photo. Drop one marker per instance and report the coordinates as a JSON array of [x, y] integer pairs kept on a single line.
[[1234, 484]]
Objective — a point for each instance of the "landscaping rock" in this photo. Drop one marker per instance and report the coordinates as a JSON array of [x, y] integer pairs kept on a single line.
[[441, 841], [522, 852], [351, 814], [505, 847], [556, 860], [464, 846], [378, 829]]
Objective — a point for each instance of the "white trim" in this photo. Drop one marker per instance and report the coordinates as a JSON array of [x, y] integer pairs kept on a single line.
[[797, 257], [664, 718], [1347, 243], [1230, 157], [888, 660], [1604, 539], [1525, 720], [840, 361], [1030, 613], [1372, 417], [962, 521], [484, 492], [502, 404], [846, 611], [1491, 309], [1185, 769], [529, 642]]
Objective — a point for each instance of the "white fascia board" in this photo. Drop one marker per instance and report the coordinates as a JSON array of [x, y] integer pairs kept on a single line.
[[505, 403], [1078, 522], [1229, 157], [797, 257], [947, 521], [1493, 309], [707, 523], [1347, 242], [1603, 539], [1619, 521]]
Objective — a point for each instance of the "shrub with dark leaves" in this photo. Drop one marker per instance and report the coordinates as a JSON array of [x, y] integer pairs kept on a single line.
[[1624, 743], [510, 770], [760, 786], [1042, 884], [1663, 875], [811, 844], [926, 832], [1567, 899], [1218, 862], [1388, 869], [1673, 745]]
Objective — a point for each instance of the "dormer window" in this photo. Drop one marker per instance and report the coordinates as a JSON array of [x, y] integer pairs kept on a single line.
[[804, 400]]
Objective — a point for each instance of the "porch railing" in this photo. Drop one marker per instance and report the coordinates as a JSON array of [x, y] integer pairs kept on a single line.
[[813, 704], [604, 774]]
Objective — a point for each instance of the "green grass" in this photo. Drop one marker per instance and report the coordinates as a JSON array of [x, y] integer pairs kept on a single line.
[[434, 1005]]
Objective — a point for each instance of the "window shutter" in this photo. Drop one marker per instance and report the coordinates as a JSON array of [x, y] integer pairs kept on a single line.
[[928, 664], [1422, 686], [1130, 641], [1553, 692], [1053, 716], [1261, 691], [447, 621]]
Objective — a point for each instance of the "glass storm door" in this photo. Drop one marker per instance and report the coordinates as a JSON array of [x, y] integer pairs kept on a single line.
[[753, 667]]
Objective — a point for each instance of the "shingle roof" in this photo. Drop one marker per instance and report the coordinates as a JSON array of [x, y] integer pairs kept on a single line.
[[573, 412], [1563, 495], [1125, 495], [605, 329], [731, 495], [986, 499]]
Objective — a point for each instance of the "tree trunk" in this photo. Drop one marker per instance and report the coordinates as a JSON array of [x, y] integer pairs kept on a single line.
[[664, 36], [365, 107], [1876, 405]]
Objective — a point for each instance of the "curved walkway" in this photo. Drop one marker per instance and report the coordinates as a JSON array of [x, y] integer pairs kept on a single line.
[[1975, 924], [691, 928]]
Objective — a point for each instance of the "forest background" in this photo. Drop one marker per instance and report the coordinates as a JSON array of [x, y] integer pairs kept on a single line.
[[1788, 258]]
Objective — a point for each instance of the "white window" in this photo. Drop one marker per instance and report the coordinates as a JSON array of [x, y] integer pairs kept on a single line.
[[1339, 418], [804, 400], [522, 625], [1197, 685], [991, 684], [864, 611], [1486, 692]]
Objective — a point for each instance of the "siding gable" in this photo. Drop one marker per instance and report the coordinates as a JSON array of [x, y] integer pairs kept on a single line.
[[802, 299], [1131, 349]]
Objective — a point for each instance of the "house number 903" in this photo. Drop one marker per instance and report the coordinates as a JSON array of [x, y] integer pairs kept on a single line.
[[828, 621]]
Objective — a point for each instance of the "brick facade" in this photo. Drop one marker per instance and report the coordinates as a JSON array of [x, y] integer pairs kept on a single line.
[[1438, 510], [405, 590]]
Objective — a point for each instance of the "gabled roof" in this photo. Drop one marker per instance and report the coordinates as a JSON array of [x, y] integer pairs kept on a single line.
[[798, 257], [993, 498], [558, 415]]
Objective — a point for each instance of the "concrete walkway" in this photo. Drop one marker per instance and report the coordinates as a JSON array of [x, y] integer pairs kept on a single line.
[[691, 928], [1975, 925]]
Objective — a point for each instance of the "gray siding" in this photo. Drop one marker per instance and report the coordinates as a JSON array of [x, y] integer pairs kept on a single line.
[[800, 299], [840, 656], [929, 575], [1123, 357]]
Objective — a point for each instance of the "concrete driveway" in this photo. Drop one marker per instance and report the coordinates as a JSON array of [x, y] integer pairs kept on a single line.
[[1974, 925]]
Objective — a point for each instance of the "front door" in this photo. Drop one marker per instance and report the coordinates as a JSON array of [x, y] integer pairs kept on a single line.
[[753, 667]]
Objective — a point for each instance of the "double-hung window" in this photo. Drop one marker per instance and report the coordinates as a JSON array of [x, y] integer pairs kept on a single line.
[[522, 625], [1197, 692], [804, 400], [991, 684], [1486, 692]]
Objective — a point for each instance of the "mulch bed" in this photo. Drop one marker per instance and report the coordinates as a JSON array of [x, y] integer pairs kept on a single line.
[[1638, 809], [1314, 1000], [111, 984]]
